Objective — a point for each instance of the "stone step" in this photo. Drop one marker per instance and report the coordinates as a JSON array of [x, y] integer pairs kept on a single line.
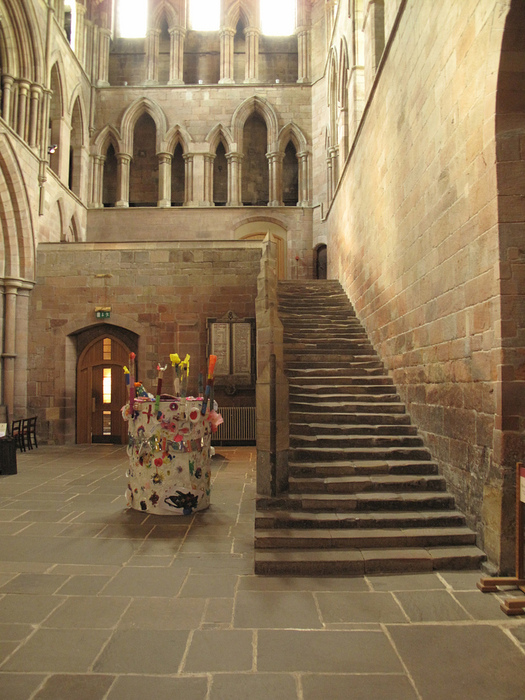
[[366, 419], [296, 538], [388, 501], [359, 562], [339, 443], [301, 430], [315, 382], [366, 484], [338, 389], [368, 467], [331, 347], [386, 397], [313, 362], [326, 454], [340, 407], [266, 519]]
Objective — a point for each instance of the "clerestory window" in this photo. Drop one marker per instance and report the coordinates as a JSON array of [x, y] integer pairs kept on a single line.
[[205, 15], [132, 18], [278, 17]]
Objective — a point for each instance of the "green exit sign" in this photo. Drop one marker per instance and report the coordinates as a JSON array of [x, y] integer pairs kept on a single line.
[[103, 313]]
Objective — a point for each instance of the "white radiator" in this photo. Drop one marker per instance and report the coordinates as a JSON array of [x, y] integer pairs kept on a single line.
[[238, 427]]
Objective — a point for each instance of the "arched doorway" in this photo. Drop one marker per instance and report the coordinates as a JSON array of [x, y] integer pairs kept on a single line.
[[258, 230], [321, 262], [101, 391]]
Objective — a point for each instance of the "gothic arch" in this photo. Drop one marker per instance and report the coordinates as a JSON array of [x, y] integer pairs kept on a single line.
[[239, 11], [77, 100], [106, 136], [291, 132], [62, 218], [332, 85], [175, 135], [17, 252], [216, 135], [141, 106], [245, 110], [23, 54], [164, 9], [56, 74], [342, 91]]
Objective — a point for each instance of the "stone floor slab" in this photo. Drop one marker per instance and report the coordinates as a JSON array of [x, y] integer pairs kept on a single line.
[[158, 688], [359, 607], [67, 687], [328, 652], [276, 609], [431, 606], [220, 650], [357, 687], [142, 651], [461, 662], [253, 686]]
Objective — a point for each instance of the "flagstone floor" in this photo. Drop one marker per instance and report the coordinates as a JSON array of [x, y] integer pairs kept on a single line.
[[98, 602]]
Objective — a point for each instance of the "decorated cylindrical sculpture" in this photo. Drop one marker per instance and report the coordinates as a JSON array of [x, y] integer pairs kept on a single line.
[[169, 456]]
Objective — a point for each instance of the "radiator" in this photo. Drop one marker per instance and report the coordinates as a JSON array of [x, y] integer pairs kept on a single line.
[[238, 427]]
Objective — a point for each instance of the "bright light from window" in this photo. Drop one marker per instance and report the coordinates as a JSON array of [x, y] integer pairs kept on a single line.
[[205, 15], [278, 17], [132, 18]]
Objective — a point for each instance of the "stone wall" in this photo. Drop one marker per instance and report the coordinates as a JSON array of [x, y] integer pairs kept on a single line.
[[413, 237], [162, 292]]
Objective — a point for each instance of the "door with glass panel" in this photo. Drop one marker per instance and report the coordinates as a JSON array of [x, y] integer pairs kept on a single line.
[[101, 392]]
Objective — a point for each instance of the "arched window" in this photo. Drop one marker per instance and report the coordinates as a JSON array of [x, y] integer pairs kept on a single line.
[[109, 187], [278, 17], [220, 177], [75, 151], [239, 53], [255, 180], [177, 177], [290, 176], [164, 53], [144, 169], [205, 15], [132, 18]]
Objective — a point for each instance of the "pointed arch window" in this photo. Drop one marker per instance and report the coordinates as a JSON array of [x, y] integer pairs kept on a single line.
[[278, 17], [109, 182], [178, 179], [290, 176], [220, 177], [132, 18]]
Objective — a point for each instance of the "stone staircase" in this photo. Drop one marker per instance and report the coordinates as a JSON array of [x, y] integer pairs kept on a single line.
[[364, 495]]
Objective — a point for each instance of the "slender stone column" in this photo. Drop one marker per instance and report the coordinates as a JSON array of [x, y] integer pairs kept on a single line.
[[7, 89], [34, 113], [98, 181], [329, 180], [208, 179], [104, 36], [164, 179], [252, 54], [123, 163], [304, 199], [188, 179], [9, 351], [152, 56], [333, 152], [23, 90], [227, 42], [177, 36], [21, 347], [80, 33], [303, 57], [275, 166], [234, 179]]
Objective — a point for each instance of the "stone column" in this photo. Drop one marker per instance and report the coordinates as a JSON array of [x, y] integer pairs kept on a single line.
[[164, 179], [303, 57], [98, 181], [252, 55], [177, 56], [21, 347], [329, 180], [23, 90], [80, 33], [7, 89], [275, 167], [333, 152], [152, 56], [304, 199], [34, 113], [208, 179], [227, 41], [188, 179], [104, 36], [9, 352], [234, 179], [123, 163]]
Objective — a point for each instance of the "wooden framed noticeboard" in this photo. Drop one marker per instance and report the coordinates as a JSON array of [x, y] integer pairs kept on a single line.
[[232, 339]]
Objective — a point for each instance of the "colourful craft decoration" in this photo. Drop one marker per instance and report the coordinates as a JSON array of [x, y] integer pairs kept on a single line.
[[169, 463]]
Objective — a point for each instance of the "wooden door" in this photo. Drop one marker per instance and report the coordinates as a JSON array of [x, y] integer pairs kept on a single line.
[[101, 392]]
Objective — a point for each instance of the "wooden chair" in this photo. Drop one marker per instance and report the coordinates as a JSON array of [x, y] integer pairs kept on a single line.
[[29, 431], [17, 434]]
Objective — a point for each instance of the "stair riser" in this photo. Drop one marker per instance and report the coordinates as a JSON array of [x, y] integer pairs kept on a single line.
[[393, 418], [347, 390], [356, 542], [353, 522], [342, 443], [310, 503], [315, 486], [300, 431], [326, 471], [316, 455]]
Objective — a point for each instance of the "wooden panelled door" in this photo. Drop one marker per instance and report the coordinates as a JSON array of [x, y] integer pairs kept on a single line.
[[101, 392]]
